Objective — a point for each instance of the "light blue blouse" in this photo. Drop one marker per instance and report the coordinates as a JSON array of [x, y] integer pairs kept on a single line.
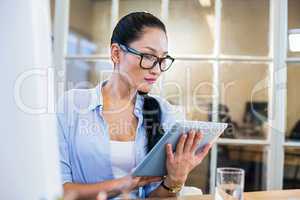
[[84, 139]]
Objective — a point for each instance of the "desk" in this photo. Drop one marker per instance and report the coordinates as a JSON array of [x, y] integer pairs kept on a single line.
[[265, 195]]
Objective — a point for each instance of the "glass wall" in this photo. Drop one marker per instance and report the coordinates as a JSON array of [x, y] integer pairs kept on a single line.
[[245, 27], [198, 74], [291, 161], [291, 178], [244, 100], [250, 158], [293, 20]]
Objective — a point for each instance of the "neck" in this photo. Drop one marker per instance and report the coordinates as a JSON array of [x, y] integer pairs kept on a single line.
[[119, 89]]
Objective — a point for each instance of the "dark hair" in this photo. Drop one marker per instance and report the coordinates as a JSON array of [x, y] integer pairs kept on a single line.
[[130, 28], [152, 120]]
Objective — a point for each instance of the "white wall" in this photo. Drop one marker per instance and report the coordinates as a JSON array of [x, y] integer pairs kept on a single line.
[[28, 145]]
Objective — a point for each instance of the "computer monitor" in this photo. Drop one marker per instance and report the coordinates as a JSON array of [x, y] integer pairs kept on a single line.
[[256, 112]]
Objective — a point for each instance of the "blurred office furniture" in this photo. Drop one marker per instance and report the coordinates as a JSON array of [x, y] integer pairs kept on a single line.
[[254, 119], [224, 116], [295, 133], [292, 160], [250, 158], [256, 114], [292, 168]]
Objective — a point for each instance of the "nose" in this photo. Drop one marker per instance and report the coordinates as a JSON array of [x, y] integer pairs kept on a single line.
[[155, 69]]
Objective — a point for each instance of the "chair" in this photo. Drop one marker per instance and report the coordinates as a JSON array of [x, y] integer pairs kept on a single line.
[[224, 116]]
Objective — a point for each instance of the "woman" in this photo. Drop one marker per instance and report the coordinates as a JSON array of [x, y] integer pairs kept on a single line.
[[106, 131]]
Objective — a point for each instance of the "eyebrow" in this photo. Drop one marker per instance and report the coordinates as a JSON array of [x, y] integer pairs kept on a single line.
[[154, 50]]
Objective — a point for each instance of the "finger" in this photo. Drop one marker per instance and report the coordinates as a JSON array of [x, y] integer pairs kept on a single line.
[[154, 178], [201, 155], [139, 182], [169, 152], [189, 142], [150, 179], [180, 144], [197, 139], [128, 181]]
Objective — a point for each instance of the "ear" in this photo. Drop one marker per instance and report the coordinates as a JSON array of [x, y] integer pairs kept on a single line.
[[115, 52]]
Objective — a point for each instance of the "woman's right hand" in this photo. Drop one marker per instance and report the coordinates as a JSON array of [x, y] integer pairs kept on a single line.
[[130, 183], [111, 188]]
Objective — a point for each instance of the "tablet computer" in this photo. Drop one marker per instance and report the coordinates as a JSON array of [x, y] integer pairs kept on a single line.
[[154, 162]]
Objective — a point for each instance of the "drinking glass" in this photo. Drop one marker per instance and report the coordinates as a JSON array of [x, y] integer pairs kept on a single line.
[[229, 184]]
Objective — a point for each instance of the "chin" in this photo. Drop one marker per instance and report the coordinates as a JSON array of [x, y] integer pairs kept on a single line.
[[145, 88]]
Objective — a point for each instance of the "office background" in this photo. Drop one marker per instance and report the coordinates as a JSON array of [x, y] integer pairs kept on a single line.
[[232, 64]]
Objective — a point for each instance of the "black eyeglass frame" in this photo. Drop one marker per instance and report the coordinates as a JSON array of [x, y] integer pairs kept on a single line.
[[138, 53]]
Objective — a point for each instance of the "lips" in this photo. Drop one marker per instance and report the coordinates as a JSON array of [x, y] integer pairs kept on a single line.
[[150, 80]]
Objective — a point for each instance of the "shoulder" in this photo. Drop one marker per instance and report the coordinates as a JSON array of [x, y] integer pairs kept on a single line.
[[75, 102], [77, 99]]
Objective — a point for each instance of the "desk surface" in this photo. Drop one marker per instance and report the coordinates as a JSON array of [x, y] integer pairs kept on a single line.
[[265, 195]]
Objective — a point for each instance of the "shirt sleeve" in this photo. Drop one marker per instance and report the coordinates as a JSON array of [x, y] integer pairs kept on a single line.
[[63, 137], [149, 188]]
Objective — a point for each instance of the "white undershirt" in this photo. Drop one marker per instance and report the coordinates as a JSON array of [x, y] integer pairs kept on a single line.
[[122, 160], [122, 157]]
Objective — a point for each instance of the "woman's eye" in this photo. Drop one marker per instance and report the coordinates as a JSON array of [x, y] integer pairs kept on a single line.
[[150, 57]]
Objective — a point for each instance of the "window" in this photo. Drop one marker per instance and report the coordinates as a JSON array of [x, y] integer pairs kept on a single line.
[[291, 166], [293, 20], [244, 96], [223, 51], [193, 30], [245, 27], [192, 89], [251, 158], [292, 140]]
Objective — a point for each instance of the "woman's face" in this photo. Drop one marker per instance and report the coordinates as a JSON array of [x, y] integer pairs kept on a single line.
[[153, 41]]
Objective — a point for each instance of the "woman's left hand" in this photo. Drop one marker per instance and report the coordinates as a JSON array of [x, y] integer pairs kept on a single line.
[[185, 158]]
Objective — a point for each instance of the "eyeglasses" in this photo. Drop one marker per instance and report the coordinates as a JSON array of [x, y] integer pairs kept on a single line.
[[149, 61]]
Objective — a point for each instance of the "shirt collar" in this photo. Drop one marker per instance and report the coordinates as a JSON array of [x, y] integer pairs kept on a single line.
[[97, 98]]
